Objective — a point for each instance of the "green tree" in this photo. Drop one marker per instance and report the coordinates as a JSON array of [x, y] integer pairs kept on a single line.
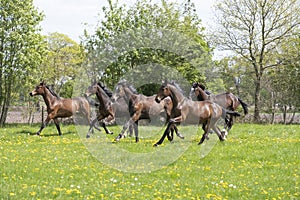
[[284, 79], [21, 48], [62, 63], [148, 38], [253, 30]]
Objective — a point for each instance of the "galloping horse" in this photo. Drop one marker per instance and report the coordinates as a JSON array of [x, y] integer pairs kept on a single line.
[[105, 105], [139, 107], [226, 100], [206, 113], [58, 107]]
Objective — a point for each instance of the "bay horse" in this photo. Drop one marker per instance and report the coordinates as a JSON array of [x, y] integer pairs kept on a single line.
[[58, 107], [206, 113], [105, 110], [139, 107], [226, 100]]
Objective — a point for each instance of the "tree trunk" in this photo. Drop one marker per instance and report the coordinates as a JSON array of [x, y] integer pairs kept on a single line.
[[6, 101], [273, 105], [284, 114], [293, 117], [257, 101]]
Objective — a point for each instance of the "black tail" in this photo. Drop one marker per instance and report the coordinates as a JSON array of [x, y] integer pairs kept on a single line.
[[244, 105], [233, 113]]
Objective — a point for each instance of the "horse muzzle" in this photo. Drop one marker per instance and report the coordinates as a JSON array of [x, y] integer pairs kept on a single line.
[[31, 94]]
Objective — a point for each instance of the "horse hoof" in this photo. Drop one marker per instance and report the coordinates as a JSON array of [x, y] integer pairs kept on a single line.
[[88, 136], [137, 140], [118, 138], [156, 145], [180, 136]]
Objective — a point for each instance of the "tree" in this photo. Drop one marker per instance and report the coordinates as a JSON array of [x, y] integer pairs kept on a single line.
[[253, 30], [21, 48], [62, 63], [284, 79], [148, 39]]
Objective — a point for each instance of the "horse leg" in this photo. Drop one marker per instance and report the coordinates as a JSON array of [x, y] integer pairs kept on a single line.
[[91, 130], [177, 132], [206, 127], [56, 122], [164, 135], [130, 129], [136, 130], [44, 124], [104, 126], [230, 123], [125, 127], [171, 134], [217, 130]]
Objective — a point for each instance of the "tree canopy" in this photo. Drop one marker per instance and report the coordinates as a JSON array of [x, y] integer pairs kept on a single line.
[[21, 48], [254, 30], [161, 40]]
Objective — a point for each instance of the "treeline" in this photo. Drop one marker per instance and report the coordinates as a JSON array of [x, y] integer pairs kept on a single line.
[[149, 42]]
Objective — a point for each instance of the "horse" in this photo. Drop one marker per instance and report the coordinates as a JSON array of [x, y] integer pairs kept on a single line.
[[139, 107], [105, 110], [226, 100], [206, 113], [58, 107]]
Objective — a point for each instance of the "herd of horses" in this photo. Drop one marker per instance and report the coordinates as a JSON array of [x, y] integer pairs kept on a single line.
[[125, 101]]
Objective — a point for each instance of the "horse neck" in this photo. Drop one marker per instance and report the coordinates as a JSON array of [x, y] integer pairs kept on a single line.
[[202, 93], [128, 93], [49, 98], [176, 96], [102, 97]]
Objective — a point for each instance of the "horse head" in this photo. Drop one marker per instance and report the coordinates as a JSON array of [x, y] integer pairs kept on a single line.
[[39, 89], [92, 89], [163, 92]]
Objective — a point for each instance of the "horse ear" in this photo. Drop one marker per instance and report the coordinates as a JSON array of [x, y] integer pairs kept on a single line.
[[42, 82]]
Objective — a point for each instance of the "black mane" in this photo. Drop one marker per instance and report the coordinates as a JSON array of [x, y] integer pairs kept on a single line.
[[105, 89], [52, 92]]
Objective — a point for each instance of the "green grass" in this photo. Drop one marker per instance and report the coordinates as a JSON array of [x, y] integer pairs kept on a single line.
[[256, 162]]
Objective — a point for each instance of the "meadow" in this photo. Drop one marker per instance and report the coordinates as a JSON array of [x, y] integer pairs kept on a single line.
[[255, 162]]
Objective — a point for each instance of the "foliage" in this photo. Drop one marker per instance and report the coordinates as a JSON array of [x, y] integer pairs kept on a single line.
[[147, 35], [253, 30], [62, 64], [21, 49], [256, 162]]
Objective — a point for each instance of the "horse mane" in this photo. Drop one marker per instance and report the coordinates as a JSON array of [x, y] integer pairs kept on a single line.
[[52, 92], [105, 89], [176, 85], [196, 84], [130, 86]]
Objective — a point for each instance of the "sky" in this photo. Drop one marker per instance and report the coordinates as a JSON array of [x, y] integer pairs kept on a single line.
[[71, 17]]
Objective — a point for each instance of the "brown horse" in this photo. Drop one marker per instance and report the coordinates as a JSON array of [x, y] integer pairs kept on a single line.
[[58, 107], [226, 100], [206, 113], [139, 107], [105, 110]]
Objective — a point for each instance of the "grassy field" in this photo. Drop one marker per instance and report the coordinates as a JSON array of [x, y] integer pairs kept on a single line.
[[256, 162]]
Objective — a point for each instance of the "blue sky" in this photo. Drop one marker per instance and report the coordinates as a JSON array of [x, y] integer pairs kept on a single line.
[[71, 17]]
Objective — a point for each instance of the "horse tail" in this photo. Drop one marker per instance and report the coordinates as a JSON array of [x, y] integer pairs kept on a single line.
[[244, 105], [233, 113]]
